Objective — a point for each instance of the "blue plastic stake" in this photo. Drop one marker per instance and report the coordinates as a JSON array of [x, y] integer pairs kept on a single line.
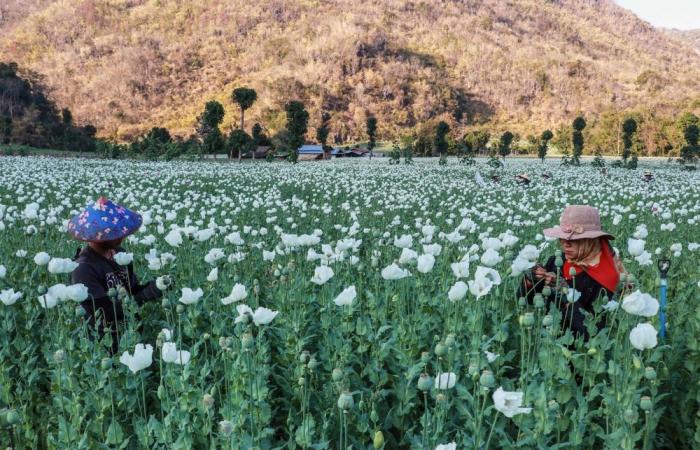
[[662, 313]]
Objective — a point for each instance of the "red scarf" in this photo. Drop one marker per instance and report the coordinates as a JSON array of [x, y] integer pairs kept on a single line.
[[604, 272]]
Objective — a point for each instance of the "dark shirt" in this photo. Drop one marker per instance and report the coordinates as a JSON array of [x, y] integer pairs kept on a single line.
[[572, 314], [100, 274]]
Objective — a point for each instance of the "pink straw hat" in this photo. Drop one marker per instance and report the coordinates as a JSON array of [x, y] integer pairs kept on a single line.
[[578, 222]]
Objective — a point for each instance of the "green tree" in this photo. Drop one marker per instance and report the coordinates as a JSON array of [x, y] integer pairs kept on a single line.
[[259, 137], [245, 97], [577, 139], [371, 126], [208, 128], [543, 146], [440, 142], [297, 126], [477, 140], [629, 127], [691, 151], [240, 142], [6, 129], [504, 144]]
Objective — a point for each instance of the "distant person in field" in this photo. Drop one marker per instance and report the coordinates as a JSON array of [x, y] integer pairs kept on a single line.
[[589, 268], [522, 179], [648, 176], [104, 225]]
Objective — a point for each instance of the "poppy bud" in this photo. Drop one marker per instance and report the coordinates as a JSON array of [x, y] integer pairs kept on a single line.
[[650, 373], [59, 356], [161, 392], [538, 301], [345, 401], [226, 427], [312, 363], [450, 340], [304, 357], [522, 301], [572, 272], [645, 403], [106, 363], [301, 381], [425, 357], [206, 336], [558, 261], [425, 382], [487, 379], [547, 320], [631, 416], [440, 397], [378, 440], [527, 320], [180, 309], [42, 290], [337, 375], [473, 369], [592, 351], [546, 291], [79, 311], [440, 349], [207, 401], [553, 405], [636, 362], [165, 303], [374, 416]]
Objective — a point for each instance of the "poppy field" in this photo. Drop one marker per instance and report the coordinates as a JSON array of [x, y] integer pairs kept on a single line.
[[346, 305]]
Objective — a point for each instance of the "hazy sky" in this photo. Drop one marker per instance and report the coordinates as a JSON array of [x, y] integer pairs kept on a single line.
[[681, 14]]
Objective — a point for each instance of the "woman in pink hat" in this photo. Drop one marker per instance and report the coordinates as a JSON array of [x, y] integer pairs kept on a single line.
[[589, 269]]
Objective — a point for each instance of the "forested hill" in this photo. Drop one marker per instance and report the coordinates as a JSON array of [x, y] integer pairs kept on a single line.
[[128, 65]]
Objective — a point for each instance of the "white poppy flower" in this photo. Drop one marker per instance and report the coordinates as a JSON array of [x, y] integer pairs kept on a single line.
[[490, 357], [520, 265], [61, 265], [445, 380], [214, 255], [509, 403], [488, 273], [123, 258], [457, 291], [635, 247], [42, 259], [407, 256], [640, 304], [425, 263], [490, 257], [171, 354], [204, 235], [432, 249], [263, 316], [76, 292], [242, 310], [269, 256], [237, 294], [394, 272], [460, 269], [174, 238], [167, 334], [346, 297], [644, 259], [529, 252], [643, 336], [405, 241], [142, 358], [213, 275], [450, 446], [321, 275], [9, 297], [479, 287], [189, 296]]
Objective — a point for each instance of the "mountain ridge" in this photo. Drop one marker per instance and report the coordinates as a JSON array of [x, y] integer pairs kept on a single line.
[[127, 65]]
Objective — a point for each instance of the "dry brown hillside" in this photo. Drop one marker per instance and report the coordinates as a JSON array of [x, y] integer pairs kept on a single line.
[[127, 65], [691, 37]]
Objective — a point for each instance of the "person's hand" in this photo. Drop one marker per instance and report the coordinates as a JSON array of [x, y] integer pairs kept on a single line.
[[542, 274]]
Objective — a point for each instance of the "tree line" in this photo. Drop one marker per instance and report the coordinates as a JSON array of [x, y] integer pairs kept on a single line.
[[28, 117]]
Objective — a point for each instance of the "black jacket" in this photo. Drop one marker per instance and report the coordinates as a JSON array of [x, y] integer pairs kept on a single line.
[[572, 316], [100, 274]]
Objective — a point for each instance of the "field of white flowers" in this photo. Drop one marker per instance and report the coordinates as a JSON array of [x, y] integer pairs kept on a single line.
[[342, 305]]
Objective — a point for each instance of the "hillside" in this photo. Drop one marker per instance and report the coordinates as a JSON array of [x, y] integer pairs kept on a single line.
[[127, 65], [691, 37]]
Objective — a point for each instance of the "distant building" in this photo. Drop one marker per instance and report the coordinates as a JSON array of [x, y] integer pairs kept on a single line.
[[311, 152], [349, 152]]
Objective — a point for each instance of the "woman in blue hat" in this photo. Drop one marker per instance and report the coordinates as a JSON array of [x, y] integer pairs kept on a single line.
[[104, 225]]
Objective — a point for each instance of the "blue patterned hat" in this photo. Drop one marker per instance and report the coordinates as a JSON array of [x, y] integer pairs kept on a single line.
[[104, 221]]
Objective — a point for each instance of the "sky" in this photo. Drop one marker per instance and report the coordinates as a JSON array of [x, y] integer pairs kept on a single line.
[[681, 14]]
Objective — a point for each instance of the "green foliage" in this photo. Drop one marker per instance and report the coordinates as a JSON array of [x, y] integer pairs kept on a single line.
[[213, 143], [297, 123], [504, 144], [239, 143], [395, 154], [371, 128], [691, 151], [577, 139], [440, 142], [598, 161], [244, 97], [212, 116], [543, 146], [477, 140]]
